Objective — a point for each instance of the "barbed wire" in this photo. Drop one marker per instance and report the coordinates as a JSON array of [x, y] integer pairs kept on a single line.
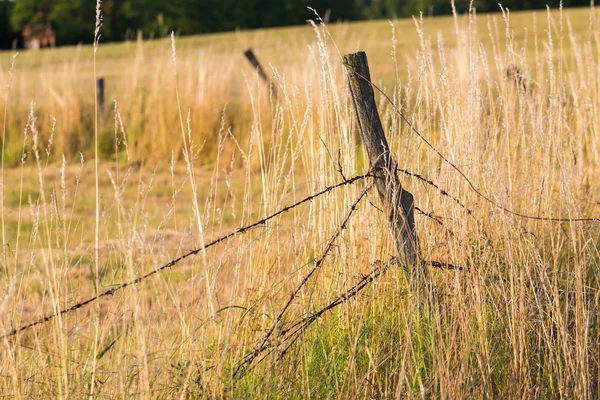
[[464, 176], [326, 190], [173, 262], [290, 334], [318, 264]]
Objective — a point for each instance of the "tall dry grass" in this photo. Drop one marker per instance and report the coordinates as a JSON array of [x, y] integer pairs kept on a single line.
[[520, 320]]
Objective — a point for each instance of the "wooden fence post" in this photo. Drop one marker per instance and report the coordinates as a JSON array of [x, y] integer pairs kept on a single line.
[[398, 203], [100, 95], [261, 72]]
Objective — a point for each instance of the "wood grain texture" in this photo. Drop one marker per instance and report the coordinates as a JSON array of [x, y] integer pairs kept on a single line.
[[398, 203]]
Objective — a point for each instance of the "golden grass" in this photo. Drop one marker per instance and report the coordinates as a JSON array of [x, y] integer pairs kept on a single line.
[[213, 75], [520, 320]]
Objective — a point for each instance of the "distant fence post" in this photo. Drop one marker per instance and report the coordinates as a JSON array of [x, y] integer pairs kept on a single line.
[[398, 203], [513, 73], [100, 95], [261, 72]]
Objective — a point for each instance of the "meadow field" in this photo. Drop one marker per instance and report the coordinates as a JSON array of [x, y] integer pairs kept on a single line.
[[192, 146]]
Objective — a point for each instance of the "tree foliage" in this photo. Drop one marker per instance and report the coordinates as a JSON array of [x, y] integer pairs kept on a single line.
[[73, 20], [7, 34]]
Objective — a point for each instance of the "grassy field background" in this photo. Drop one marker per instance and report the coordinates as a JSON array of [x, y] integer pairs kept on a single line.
[[519, 320]]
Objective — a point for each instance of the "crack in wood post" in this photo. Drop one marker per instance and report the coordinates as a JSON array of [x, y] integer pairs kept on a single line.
[[398, 202]]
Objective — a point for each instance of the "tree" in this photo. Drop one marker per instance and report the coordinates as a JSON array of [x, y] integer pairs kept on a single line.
[[73, 21], [7, 34], [33, 12], [340, 9], [152, 17]]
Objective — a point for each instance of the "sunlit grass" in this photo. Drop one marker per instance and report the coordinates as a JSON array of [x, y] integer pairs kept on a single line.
[[214, 75], [520, 320]]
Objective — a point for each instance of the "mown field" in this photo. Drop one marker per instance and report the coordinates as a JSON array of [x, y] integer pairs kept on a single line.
[[192, 145]]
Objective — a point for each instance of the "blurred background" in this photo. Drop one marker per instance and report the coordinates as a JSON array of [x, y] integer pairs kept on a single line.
[[48, 23]]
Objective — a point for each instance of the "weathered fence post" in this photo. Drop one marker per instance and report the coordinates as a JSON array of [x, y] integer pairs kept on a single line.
[[100, 95], [398, 203], [261, 72]]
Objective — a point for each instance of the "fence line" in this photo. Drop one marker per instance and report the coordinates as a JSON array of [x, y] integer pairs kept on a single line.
[[345, 182], [295, 329], [173, 262], [110, 292], [265, 343], [471, 185]]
